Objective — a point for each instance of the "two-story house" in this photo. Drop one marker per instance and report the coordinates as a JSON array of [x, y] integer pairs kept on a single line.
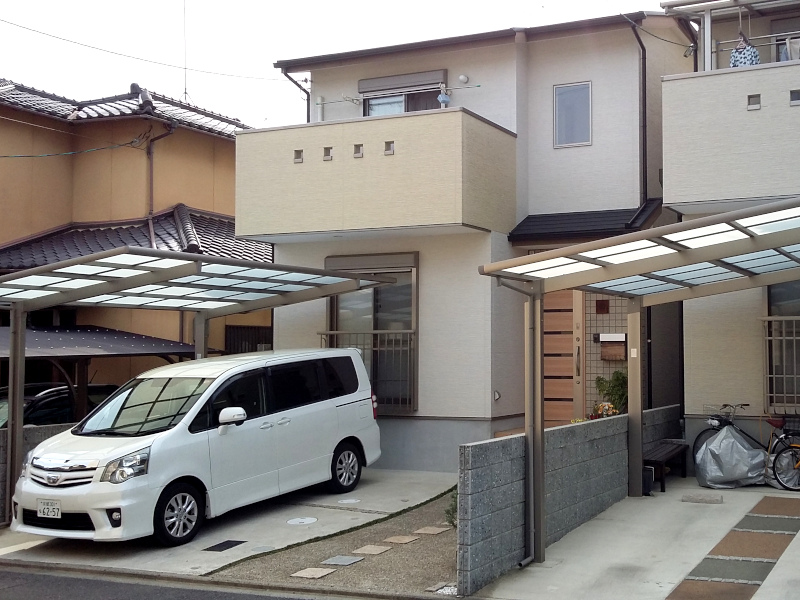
[[730, 132], [425, 160], [134, 169]]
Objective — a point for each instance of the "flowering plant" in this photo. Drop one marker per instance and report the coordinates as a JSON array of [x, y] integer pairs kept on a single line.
[[605, 409]]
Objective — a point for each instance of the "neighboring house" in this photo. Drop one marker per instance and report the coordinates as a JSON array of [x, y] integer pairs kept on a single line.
[[426, 160], [135, 169], [730, 139]]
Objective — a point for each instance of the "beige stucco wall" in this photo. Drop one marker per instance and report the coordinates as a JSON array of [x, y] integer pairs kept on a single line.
[[35, 193], [724, 150], [724, 351], [448, 168], [455, 350]]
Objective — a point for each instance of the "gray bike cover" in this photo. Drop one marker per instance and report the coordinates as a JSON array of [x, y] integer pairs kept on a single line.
[[727, 460]]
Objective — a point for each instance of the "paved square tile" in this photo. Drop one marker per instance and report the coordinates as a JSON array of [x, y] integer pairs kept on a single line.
[[370, 549], [401, 539], [342, 560], [313, 573], [432, 530]]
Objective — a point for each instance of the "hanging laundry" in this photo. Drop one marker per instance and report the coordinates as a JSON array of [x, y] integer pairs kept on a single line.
[[742, 57], [793, 48]]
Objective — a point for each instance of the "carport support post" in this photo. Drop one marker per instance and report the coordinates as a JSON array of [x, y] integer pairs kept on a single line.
[[16, 398], [534, 429], [200, 335], [82, 388], [635, 461]]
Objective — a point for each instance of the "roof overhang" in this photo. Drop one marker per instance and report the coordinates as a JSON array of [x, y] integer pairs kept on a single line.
[[131, 277], [732, 251]]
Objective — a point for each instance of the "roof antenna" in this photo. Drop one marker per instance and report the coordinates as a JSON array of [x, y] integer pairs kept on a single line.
[[185, 96]]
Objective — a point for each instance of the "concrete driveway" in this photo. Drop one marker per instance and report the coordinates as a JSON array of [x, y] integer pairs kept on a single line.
[[245, 532]]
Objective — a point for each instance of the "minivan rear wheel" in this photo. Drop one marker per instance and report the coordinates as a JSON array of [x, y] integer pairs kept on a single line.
[[345, 469], [179, 514]]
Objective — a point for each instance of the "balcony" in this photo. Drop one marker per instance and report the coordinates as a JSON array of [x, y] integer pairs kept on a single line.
[[731, 133], [442, 170]]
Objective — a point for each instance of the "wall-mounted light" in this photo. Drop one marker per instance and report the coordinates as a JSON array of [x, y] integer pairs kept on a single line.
[[463, 79]]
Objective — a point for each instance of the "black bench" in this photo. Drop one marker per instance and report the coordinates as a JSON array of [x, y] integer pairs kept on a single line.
[[660, 453]]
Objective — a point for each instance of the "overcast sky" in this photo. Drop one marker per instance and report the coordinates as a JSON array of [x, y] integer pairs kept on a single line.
[[237, 37]]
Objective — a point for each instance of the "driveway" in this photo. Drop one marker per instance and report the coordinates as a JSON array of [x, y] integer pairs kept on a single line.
[[269, 525]]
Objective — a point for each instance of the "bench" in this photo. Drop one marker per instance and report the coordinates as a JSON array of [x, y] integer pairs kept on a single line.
[[660, 453]]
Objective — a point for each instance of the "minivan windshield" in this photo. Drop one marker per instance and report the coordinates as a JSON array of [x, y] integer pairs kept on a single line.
[[144, 406]]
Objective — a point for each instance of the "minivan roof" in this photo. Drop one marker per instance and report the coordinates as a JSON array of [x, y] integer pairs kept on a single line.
[[214, 367]]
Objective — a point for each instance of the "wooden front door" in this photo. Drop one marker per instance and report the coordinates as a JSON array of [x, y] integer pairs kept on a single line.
[[563, 357]]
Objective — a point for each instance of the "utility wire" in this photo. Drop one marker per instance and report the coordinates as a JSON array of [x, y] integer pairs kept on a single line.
[[145, 136], [131, 144], [650, 33], [154, 62]]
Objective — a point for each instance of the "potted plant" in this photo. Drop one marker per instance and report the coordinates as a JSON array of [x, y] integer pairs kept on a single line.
[[614, 390]]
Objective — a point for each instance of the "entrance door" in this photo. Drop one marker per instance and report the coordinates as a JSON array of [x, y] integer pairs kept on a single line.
[[563, 357]]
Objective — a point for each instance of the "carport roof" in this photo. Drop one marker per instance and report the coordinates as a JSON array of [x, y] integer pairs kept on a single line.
[[132, 277], [722, 253]]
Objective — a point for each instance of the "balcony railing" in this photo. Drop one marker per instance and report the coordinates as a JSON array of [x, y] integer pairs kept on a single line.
[[782, 369], [391, 360]]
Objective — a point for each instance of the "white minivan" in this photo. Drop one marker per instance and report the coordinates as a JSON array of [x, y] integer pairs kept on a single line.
[[193, 440]]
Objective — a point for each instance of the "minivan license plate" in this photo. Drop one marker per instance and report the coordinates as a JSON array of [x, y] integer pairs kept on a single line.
[[50, 509]]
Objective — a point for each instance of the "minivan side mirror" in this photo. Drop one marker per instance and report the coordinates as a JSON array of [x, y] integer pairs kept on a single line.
[[232, 414]]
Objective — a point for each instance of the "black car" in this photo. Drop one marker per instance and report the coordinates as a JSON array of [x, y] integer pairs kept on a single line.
[[52, 403]]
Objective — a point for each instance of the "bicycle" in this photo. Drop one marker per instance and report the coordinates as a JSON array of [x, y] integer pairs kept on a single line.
[[786, 467], [718, 421]]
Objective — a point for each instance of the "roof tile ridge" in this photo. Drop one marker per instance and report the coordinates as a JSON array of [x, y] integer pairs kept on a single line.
[[190, 241]]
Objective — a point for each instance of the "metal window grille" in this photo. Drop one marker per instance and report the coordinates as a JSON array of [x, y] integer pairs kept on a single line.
[[782, 369], [390, 358]]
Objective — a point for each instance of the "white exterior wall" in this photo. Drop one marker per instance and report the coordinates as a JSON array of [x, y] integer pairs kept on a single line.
[[724, 351], [454, 335], [604, 175], [490, 66]]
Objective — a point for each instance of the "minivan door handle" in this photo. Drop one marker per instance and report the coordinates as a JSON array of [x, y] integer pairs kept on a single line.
[[267, 425], [284, 421]]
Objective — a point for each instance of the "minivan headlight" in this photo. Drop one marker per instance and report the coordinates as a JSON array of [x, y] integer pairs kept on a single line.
[[130, 465], [23, 472]]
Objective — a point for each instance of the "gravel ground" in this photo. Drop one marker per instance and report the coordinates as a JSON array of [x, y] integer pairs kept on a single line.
[[406, 569]]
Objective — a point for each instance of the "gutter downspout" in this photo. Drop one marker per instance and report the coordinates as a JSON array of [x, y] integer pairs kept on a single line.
[[643, 117], [151, 199], [305, 91]]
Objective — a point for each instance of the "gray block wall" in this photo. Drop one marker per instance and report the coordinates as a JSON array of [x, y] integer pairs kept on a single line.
[[31, 437], [661, 424], [586, 471], [491, 510]]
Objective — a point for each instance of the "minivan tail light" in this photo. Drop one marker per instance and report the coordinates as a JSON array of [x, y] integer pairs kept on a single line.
[[374, 407]]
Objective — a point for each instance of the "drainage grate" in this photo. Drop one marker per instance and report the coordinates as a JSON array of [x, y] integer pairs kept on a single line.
[[222, 546]]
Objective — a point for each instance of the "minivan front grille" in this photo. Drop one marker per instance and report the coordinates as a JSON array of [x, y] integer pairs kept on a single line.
[[49, 478], [67, 521]]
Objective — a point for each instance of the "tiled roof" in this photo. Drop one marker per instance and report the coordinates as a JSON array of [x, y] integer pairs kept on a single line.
[[138, 102], [590, 224], [182, 229]]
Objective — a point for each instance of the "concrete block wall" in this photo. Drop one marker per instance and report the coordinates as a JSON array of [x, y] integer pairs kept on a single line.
[[586, 471], [31, 437], [661, 424], [491, 510]]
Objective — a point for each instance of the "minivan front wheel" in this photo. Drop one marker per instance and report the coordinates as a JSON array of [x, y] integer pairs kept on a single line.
[[345, 469], [179, 513]]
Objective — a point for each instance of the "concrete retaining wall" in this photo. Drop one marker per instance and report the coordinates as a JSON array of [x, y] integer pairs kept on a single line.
[[32, 437], [586, 471]]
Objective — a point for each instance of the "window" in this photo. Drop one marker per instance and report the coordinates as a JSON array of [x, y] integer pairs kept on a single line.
[[572, 106], [358, 150], [381, 322], [794, 97], [327, 153], [293, 385], [397, 94], [340, 376], [244, 391], [782, 339], [754, 102], [247, 338], [298, 156]]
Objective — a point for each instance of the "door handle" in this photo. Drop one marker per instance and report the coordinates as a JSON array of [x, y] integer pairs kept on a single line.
[[267, 425], [578, 362], [284, 421]]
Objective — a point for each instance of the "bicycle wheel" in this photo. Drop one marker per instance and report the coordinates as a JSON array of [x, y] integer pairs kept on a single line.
[[701, 439], [786, 468]]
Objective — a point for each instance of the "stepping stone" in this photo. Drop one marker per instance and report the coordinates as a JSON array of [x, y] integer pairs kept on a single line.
[[342, 561], [432, 530], [370, 549], [401, 539], [703, 498], [313, 573]]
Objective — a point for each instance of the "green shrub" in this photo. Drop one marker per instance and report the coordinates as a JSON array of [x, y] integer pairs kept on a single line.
[[451, 512], [614, 390]]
